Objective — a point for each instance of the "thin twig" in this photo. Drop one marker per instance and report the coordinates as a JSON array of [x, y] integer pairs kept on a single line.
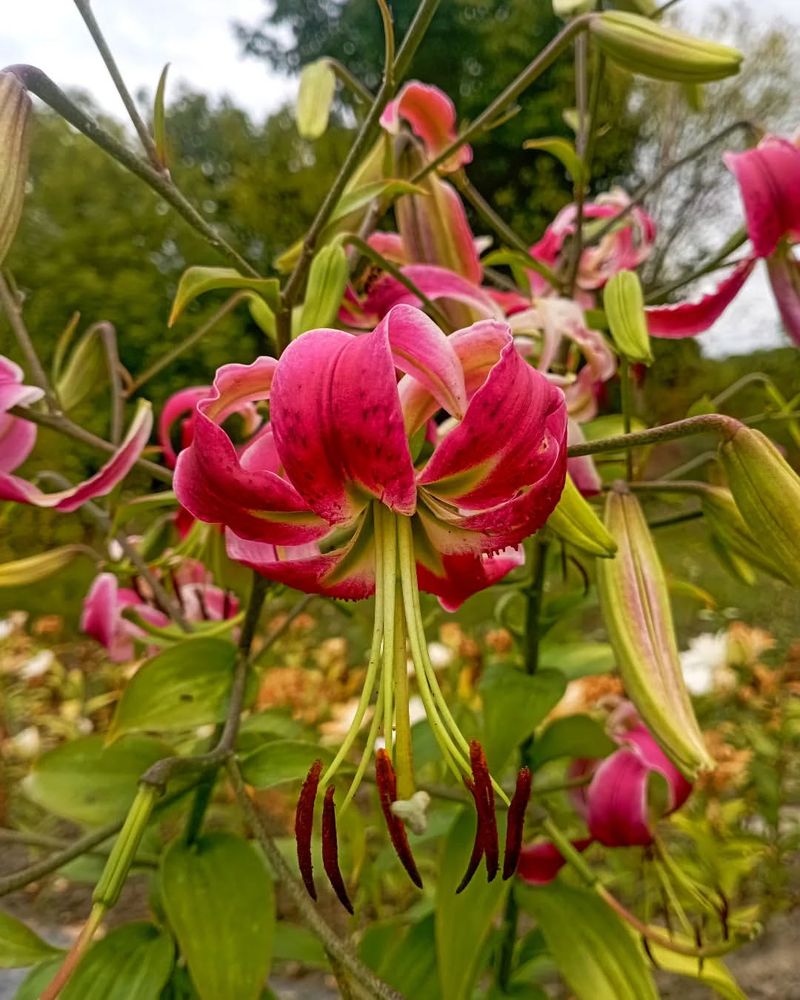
[[706, 423], [42, 840], [84, 7]]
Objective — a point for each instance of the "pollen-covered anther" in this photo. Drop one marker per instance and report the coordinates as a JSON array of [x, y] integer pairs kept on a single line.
[[330, 850], [486, 840], [303, 826], [516, 821], [386, 781]]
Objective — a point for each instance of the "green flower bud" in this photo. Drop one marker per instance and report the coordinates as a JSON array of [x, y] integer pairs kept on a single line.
[[21, 572], [314, 98], [575, 522], [767, 492], [326, 283], [15, 114], [651, 49], [638, 617], [624, 306]]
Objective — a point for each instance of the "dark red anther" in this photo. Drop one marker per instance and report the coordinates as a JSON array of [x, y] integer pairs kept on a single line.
[[516, 821], [386, 781], [303, 826], [486, 840], [484, 802], [330, 850]]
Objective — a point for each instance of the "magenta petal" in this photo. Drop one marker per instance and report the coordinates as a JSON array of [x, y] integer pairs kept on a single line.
[[432, 117], [100, 614], [176, 406], [685, 319], [769, 181], [540, 863], [466, 574], [112, 473], [434, 282], [582, 470], [784, 276], [338, 424], [654, 757], [305, 568], [17, 439], [617, 797], [514, 426]]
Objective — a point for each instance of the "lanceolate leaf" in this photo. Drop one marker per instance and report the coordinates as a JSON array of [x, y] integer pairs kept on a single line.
[[279, 761], [196, 281], [84, 371], [573, 736], [595, 952], [563, 151], [20, 572], [133, 962], [711, 972], [184, 686], [19, 946], [89, 782], [159, 123], [220, 904]]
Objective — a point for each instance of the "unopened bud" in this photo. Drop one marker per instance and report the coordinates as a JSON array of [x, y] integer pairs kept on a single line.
[[15, 114], [767, 492], [643, 46], [326, 283], [624, 306], [735, 542], [20, 572], [636, 609], [314, 99], [575, 522]]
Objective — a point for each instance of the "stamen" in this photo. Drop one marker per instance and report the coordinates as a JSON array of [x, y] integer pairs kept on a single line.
[[516, 822], [477, 847], [484, 803], [303, 826], [330, 850], [387, 789]]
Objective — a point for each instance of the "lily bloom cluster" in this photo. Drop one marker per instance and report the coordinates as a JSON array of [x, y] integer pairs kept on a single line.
[[395, 460], [616, 804]]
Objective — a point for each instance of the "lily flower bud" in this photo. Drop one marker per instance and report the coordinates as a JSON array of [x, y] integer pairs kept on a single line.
[[15, 114], [638, 616], [767, 492], [643, 46], [624, 306], [575, 522]]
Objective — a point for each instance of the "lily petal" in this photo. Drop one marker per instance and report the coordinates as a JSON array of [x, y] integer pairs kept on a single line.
[[432, 117], [769, 182], [112, 473], [685, 319], [540, 863], [466, 574], [17, 436], [176, 406], [784, 276], [436, 283], [618, 807]]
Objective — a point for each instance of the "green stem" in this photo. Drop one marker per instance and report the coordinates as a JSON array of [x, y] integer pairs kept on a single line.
[[403, 758], [660, 295], [626, 389], [706, 423]]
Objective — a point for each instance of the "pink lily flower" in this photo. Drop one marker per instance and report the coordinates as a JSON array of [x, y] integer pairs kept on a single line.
[[624, 247], [769, 183], [616, 803], [340, 495], [18, 436], [432, 117], [102, 616], [182, 405]]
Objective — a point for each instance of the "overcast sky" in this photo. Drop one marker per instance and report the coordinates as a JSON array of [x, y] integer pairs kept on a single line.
[[196, 37]]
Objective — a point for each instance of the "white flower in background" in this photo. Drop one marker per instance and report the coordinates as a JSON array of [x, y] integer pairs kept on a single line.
[[704, 661], [416, 709], [441, 656], [27, 742], [6, 628], [37, 665]]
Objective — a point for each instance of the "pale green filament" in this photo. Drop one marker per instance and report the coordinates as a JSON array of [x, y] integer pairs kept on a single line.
[[403, 757], [389, 584]]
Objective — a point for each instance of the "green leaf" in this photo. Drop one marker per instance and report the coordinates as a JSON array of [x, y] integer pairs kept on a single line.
[[196, 281], [514, 703], [220, 904], [19, 946], [711, 972], [132, 962], [291, 943], [326, 283], [314, 98], [573, 736], [403, 956], [520, 261], [89, 782], [595, 952], [20, 572], [159, 123], [463, 921], [564, 152], [578, 659], [84, 371], [281, 760], [62, 345], [184, 686]]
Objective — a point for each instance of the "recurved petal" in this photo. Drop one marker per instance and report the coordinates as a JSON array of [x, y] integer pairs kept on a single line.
[[347, 572], [540, 863], [511, 436], [685, 319], [436, 283], [769, 181], [432, 117], [465, 574], [338, 424], [98, 485], [176, 406], [617, 798], [640, 738]]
